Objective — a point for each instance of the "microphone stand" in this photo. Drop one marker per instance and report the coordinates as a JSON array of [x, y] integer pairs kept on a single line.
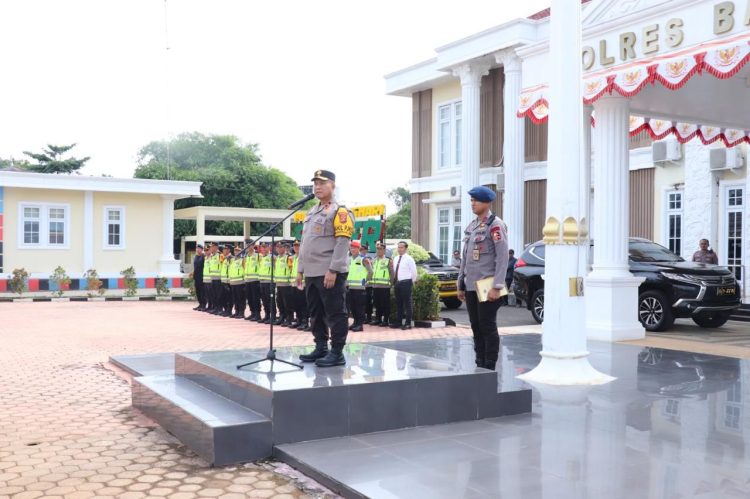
[[271, 354]]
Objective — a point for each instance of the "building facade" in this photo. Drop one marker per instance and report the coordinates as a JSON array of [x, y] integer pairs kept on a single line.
[[479, 117], [82, 223]]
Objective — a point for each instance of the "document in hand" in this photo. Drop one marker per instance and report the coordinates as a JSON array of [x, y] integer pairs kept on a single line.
[[485, 285]]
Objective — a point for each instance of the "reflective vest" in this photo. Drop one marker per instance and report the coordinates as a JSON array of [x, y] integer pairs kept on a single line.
[[282, 271], [264, 268], [357, 273], [236, 272], [294, 267], [251, 267], [380, 275], [214, 266], [206, 273], [225, 270]]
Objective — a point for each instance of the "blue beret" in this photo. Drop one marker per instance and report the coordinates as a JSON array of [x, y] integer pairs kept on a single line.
[[482, 194]]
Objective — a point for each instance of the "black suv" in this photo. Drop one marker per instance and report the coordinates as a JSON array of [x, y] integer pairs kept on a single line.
[[673, 287]]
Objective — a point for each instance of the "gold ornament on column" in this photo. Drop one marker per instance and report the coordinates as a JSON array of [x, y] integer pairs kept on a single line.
[[551, 231], [570, 231]]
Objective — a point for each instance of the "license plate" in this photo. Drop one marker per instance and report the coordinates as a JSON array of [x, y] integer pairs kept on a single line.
[[728, 291], [448, 287]]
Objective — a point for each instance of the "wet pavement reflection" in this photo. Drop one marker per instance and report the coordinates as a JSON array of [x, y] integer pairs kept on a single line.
[[673, 424]]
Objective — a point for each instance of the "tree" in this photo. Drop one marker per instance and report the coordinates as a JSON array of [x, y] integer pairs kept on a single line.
[[50, 160], [232, 174], [13, 164], [400, 196], [398, 225]]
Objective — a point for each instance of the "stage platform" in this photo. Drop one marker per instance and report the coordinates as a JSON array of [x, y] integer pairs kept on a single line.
[[228, 415]]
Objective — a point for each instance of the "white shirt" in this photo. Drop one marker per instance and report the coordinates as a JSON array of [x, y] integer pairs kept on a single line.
[[407, 269]]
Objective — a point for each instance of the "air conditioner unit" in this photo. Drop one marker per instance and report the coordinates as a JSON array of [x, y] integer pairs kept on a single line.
[[725, 159], [666, 150]]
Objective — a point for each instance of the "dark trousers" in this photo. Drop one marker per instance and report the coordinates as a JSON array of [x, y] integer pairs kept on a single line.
[[382, 299], [226, 297], [208, 294], [368, 302], [252, 294], [216, 291], [403, 301], [200, 294], [357, 305], [238, 297], [483, 318], [300, 305], [282, 299], [265, 298], [328, 310]]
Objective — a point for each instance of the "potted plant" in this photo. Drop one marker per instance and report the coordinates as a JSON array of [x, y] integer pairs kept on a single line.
[[131, 283], [62, 282], [162, 288], [94, 285], [19, 282]]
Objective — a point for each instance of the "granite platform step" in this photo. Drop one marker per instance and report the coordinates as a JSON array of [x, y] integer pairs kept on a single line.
[[217, 429]]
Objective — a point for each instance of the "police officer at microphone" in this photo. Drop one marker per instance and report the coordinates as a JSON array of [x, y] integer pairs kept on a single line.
[[324, 262], [485, 254]]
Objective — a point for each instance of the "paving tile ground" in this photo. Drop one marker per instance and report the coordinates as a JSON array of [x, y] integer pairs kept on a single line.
[[67, 428]]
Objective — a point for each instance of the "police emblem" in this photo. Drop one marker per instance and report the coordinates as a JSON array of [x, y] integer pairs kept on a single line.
[[497, 236]]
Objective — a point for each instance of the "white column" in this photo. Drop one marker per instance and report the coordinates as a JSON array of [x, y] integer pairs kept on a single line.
[[168, 266], [471, 80], [200, 229], [564, 353], [611, 290], [513, 150], [88, 230]]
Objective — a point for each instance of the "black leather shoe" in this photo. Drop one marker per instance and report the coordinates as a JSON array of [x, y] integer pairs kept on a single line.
[[405, 327], [319, 352], [293, 325], [374, 323], [357, 329], [301, 326], [334, 358], [307, 327], [395, 326], [197, 308], [367, 321]]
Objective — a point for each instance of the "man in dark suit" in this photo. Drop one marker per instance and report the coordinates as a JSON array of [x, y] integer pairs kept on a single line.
[[200, 292]]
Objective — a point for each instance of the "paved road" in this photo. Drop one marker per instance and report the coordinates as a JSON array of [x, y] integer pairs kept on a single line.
[[506, 316]]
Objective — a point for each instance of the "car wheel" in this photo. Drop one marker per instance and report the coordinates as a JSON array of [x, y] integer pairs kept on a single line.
[[452, 303], [654, 311], [537, 305], [711, 319]]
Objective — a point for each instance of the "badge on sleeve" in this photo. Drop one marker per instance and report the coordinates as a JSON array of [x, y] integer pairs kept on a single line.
[[497, 235], [343, 225]]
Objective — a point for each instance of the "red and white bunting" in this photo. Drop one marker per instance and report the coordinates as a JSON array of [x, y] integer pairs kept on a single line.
[[709, 134], [685, 132], [732, 137], [721, 59], [637, 125]]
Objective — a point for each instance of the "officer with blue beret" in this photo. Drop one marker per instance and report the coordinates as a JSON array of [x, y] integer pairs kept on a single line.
[[485, 254]]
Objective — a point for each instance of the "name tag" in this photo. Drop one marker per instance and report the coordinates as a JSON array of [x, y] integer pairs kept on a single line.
[[475, 254]]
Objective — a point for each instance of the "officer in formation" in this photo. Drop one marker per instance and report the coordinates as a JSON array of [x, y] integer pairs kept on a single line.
[[382, 276], [485, 254], [264, 278], [237, 284], [324, 265], [360, 272], [252, 282], [282, 276], [214, 271], [299, 298]]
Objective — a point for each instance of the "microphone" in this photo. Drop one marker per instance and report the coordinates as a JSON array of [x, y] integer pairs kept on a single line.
[[300, 202]]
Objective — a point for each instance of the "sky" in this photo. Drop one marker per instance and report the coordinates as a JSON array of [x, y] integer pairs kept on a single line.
[[303, 79]]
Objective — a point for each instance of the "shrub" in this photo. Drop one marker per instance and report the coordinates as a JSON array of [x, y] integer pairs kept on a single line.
[[426, 297], [189, 284], [131, 283], [61, 280], [417, 252], [93, 284], [162, 286], [19, 282]]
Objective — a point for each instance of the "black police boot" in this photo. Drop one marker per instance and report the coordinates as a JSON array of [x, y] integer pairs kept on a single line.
[[334, 358], [301, 326], [321, 350], [490, 364], [356, 328]]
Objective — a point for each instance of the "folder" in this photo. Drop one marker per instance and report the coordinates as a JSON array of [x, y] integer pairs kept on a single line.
[[485, 285]]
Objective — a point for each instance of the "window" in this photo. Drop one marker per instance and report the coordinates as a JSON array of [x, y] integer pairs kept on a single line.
[[449, 232], [733, 407], [449, 135], [43, 226], [733, 237], [31, 224], [674, 221], [114, 227]]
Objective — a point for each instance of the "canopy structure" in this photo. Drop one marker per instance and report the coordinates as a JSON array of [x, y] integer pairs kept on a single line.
[[721, 60]]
